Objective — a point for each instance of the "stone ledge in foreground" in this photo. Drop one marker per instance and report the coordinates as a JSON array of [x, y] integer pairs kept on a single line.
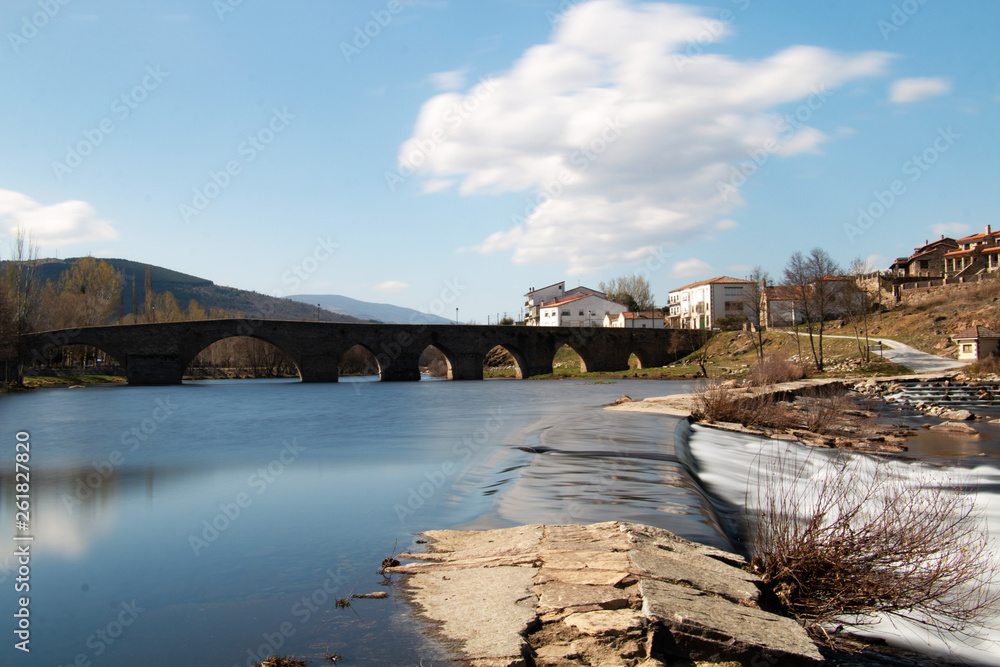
[[607, 593]]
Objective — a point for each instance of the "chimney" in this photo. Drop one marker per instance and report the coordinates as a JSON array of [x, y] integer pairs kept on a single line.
[[988, 230]]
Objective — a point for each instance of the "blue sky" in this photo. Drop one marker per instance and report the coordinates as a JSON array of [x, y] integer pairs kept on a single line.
[[440, 154]]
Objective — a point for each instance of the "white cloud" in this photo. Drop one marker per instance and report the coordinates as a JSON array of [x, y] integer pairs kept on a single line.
[[953, 229], [727, 224], [390, 286], [618, 138], [449, 80], [67, 223], [904, 91], [689, 268]]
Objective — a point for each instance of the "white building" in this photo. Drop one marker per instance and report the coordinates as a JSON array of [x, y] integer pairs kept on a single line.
[[577, 310], [547, 295], [699, 305], [634, 321]]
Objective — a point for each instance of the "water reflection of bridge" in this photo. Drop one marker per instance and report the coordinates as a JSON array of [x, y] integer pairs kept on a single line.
[[153, 354]]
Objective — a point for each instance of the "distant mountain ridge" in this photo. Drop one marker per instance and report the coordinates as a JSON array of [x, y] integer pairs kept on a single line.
[[382, 312], [185, 287]]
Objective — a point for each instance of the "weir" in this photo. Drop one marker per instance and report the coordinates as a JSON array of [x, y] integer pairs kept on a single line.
[[159, 354]]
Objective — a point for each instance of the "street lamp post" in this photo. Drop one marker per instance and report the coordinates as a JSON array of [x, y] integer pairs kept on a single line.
[[456, 315]]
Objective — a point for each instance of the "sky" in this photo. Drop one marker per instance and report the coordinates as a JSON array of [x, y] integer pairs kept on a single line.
[[448, 154]]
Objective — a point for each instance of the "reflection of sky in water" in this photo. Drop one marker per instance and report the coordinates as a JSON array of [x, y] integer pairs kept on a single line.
[[368, 451]]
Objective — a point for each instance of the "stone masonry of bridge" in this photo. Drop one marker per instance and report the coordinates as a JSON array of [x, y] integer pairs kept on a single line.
[[158, 354]]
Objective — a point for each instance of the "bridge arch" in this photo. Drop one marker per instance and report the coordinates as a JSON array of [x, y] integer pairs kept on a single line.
[[359, 359], [256, 356], [45, 349], [518, 357]]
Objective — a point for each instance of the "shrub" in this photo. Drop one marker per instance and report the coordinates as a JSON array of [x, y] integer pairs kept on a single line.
[[774, 369], [722, 404], [988, 366], [843, 546]]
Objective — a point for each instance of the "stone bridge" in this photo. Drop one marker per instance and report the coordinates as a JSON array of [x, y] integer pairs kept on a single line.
[[157, 354]]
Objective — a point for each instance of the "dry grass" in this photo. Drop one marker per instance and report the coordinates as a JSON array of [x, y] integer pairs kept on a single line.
[[720, 403], [988, 366], [844, 550], [775, 369]]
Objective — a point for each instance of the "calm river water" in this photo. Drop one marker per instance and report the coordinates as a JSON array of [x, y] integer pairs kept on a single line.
[[217, 522]]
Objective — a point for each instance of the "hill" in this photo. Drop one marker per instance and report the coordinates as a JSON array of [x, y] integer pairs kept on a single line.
[[185, 287], [383, 312]]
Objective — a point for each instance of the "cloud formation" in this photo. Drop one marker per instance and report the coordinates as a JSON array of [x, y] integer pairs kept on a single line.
[[904, 91], [391, 286], [67, 223], [622, 135], [690, 268]]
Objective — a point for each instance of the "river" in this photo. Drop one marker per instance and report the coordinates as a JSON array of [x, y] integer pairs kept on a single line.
[[217, 522]]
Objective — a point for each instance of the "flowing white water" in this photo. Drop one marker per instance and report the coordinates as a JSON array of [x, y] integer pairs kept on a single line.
[[726, 461]]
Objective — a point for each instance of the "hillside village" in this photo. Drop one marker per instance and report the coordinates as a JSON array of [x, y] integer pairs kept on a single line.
[[728, 303]]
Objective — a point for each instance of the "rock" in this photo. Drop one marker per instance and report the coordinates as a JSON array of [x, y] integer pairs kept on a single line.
[[573, 594], [624, 398], [702, 627], [957, 415], [955, 427], [378, 595], [602, 623]]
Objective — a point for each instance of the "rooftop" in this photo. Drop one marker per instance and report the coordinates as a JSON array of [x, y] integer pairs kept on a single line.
[[713, 281], [978, 331]]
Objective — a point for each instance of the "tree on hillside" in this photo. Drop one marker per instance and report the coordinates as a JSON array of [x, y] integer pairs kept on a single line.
[[633, 292], [819, 288], [89, 293], [753, 308], [19, 296]]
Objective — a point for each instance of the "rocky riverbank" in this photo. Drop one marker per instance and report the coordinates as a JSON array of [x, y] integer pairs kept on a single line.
[[615, 594]]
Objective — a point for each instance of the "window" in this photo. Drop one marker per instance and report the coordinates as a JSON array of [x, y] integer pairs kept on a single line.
[[925, 264], [734, 291], [733, 305], [966, 348], [565, 313], [581, 313]]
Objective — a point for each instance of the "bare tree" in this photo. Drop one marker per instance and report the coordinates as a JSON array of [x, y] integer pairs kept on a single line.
[[859, 301], [753, 308], [634, 292], [21, 296], [818, 286]]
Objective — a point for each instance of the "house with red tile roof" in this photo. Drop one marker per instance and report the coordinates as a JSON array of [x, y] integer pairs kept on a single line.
[[926, 262], [975, 255], [549, 294], [648, 320], [700, 305], [977, 343]]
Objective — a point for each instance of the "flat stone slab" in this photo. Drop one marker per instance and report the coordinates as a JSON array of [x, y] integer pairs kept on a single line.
[[954, 427], [608, 593], [601, 623], [703, 627], [485, 612]]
